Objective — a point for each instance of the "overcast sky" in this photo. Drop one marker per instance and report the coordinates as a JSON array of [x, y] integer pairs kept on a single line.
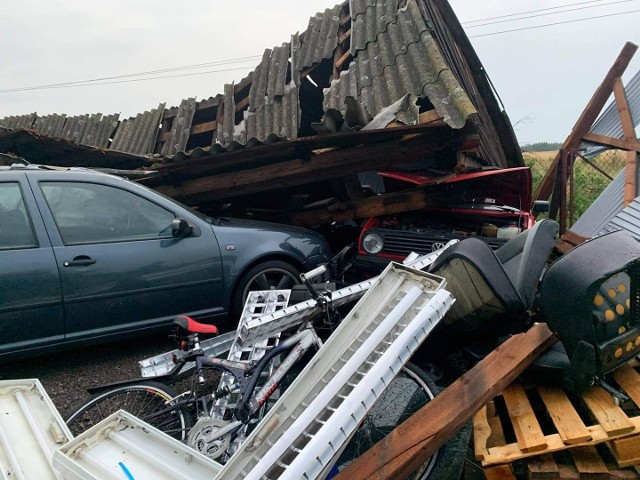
[[545, 76]]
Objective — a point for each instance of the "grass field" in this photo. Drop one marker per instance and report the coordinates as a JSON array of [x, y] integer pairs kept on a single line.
[[588, 181]]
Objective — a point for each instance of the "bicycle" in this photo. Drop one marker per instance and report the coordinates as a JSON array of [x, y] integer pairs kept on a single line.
[[218, 432]]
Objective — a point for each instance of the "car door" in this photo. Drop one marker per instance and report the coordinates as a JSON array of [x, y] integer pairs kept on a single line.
[[31, 313], [121, 269]]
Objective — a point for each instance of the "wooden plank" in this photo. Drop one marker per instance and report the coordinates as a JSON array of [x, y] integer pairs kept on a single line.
[[612, 142], [629, 130], [610, 416], [430, 117], [542, 467], [626, 450], [344, 36], [346, 56], [589, 463], [368, 207], [499, 472], [629, 379], [588, 116], [203, 127], [481, 433], [525, 424], [570, 426], [414, 441]]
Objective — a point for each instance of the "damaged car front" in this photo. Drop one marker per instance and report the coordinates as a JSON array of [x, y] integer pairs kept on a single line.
[[492, 205]]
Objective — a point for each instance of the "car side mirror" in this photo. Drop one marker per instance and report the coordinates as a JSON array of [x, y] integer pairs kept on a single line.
[[180, 228], [539, 206]]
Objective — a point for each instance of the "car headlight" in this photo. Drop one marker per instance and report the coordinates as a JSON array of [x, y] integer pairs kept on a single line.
[[372, 243]]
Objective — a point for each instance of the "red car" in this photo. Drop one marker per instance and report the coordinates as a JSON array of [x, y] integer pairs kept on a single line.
[[492, 205]]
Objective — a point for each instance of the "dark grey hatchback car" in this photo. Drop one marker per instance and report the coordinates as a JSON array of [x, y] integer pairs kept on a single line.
[[87, 257]]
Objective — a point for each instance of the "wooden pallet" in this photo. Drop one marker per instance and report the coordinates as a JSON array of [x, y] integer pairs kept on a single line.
[[537, 422], [575, 463]]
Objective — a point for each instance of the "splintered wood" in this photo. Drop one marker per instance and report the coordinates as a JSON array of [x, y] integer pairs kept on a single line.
[[557, 432]]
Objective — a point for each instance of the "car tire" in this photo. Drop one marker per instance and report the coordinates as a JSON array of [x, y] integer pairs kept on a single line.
[[271, 275]]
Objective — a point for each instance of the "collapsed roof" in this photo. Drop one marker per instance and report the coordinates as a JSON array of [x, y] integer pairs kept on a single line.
[[314, 114]]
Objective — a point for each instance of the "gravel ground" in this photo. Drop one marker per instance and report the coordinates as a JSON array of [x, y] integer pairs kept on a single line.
[[66, 376]]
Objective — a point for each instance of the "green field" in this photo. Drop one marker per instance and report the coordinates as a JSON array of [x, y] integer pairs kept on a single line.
[[588, 181]]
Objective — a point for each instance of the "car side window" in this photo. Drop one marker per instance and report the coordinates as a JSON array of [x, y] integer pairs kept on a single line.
[[15, 226], [94, 213]]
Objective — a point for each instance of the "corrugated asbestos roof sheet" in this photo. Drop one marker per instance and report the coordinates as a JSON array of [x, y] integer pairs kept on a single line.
[[180, 129], [51, 125], [404, 59], [98, 129], [138, 135], [609, 122], [280, 116], [18, 121], [368, 19], [320, 39]]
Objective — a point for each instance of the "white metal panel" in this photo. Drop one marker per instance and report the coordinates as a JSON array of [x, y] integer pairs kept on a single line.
[[258, 304], [31, 429], [265, 326], [122, 446]]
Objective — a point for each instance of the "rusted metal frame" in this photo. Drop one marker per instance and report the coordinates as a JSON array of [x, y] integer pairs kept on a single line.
[[618, 143], [588, 116], [594, 166], [628, 128]]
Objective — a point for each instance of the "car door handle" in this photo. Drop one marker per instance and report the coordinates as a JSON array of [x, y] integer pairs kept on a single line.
[[80, 261]]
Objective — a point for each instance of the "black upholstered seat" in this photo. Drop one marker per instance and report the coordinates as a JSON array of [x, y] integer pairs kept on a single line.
[[495, 290]]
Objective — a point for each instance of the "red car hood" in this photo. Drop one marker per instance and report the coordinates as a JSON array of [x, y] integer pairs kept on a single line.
[[510, 187]]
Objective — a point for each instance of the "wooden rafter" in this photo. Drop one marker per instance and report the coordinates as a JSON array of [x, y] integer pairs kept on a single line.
[[631, 171], [414, 441], [589, 115], [323, 166]]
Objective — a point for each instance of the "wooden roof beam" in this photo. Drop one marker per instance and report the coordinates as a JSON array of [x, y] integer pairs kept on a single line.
[[629, 130], [589, 115], [325, 166], [419, 437]]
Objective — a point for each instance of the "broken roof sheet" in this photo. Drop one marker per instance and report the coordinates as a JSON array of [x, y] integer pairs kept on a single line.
[[370, 19], [399, 55], [138, 135], [319, 39], [404, 59]]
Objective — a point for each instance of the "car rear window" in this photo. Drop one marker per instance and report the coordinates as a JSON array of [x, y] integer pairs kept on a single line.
[[15, 226]]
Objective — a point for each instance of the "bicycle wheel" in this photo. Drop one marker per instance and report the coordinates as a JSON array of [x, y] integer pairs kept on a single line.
[[405, 395], [142, 400]]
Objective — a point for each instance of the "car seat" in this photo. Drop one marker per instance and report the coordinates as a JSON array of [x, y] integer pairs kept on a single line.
[[494, 291]]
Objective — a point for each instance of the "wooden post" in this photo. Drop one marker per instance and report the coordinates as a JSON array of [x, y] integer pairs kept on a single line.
[[414, 441], [589, 115], [631, 172]]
